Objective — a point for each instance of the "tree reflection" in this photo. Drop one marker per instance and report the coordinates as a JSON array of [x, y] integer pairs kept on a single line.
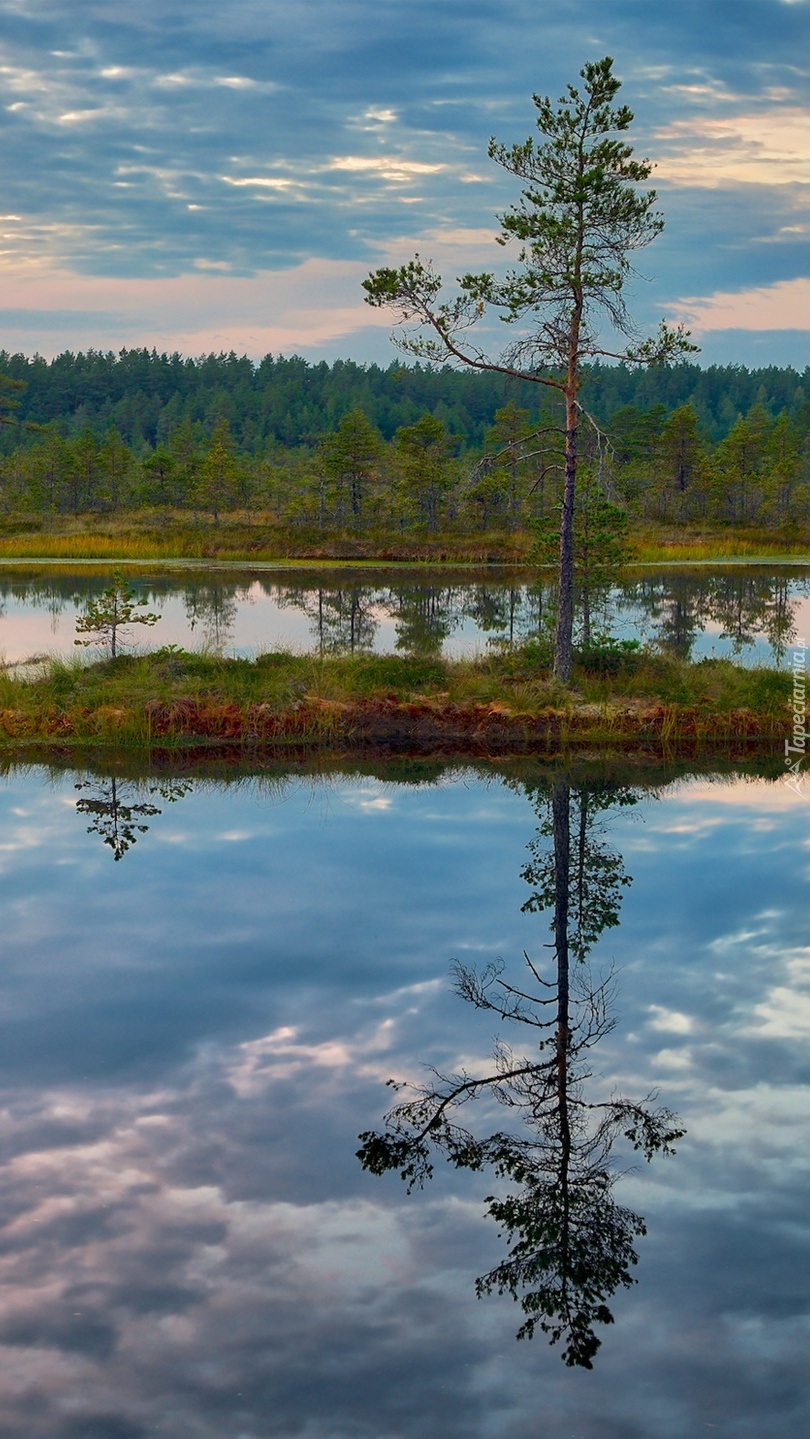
[[780, 619], [343, 620], [673, 604], [211, 604], [505, 613], [747, 604], [571, 1245], [117, 812], [425, 616]]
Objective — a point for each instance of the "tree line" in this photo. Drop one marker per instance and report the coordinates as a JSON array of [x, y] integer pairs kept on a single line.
[[287, 401], [656, 464]]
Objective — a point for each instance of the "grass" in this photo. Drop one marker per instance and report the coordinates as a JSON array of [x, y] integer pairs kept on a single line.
[[144, 536], [150, 535], [499, 703], [698, 545]]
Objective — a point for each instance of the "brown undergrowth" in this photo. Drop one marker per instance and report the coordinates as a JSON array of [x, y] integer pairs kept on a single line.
[[416, 727]]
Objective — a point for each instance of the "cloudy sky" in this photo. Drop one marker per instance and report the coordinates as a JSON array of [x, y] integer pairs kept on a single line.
[[203, 176]]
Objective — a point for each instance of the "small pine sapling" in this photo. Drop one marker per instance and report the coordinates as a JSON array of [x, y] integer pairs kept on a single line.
[[107, 618]]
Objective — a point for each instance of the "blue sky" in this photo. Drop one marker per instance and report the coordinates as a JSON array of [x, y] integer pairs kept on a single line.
[[199, 176]]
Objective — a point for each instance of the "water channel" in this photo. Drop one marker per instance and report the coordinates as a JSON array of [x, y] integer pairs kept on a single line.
[[750, 613], [207, 979]]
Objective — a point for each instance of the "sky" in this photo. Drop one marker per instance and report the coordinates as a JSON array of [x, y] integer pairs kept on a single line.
[[202, 177]]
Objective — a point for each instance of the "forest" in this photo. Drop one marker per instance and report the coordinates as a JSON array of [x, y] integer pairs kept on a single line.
[[361, 447]]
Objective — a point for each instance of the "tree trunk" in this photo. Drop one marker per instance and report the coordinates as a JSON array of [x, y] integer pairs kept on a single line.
[[561, 820], [564, 642], [586, 614]]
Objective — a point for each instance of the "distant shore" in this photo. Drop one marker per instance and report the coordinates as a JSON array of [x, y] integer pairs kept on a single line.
[[171, 538]]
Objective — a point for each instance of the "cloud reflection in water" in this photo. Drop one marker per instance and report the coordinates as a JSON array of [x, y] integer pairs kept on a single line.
[[190, 1041]]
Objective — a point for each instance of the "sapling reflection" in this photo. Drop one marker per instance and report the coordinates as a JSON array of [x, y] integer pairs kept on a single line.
[[570, 1244], [117, 808]]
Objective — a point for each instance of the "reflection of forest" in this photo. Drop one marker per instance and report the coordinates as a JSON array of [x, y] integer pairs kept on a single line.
[[342, 620], [746, 603], [347, 619], [671, 608], [570, 1244]]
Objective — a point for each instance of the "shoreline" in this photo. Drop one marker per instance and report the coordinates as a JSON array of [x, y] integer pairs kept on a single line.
[[474, 733], [484, 707], [478, 566]]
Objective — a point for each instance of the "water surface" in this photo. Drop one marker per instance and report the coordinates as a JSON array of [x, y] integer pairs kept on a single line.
[[205, 986], [748, 612]]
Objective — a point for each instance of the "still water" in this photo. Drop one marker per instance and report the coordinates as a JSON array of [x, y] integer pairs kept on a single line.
[[206, 984], [747, 612]]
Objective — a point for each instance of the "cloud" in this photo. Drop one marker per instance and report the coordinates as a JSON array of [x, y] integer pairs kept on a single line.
[[785, 1010], [784, 305], [700, 798], [305, 308], [156, 141], [309, 305], [669, 1021], [763, 147], [389, 167]]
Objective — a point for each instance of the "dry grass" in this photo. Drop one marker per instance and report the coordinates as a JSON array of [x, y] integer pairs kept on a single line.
[[698, 546], [149, 535], [142, 535]]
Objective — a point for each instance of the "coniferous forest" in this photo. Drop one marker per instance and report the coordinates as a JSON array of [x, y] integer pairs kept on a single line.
[[361, 447]]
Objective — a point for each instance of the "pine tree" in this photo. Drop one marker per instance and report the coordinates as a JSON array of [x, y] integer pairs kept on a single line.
[[579, 219], [106, 619]]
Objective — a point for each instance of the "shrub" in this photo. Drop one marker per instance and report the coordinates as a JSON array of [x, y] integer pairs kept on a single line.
[[608, 656]]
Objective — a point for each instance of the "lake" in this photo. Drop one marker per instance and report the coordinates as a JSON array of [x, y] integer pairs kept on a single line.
[[208, 979], [750, 613]]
